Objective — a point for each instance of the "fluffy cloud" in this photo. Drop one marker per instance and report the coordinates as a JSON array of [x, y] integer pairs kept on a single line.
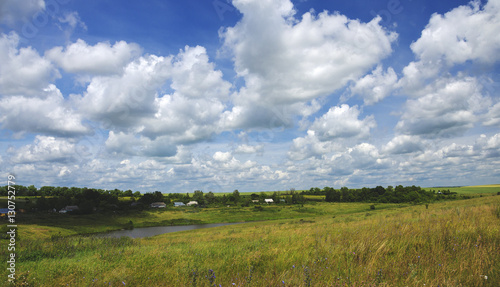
[[44, 149], [23, 71], [492, 118], [244, 148], [131, 102], [331, 131], [121, 100], [286, 61], [375, 86], [404, 144], [222, 156], [465, 33], [347, 165], [455, 162], [195, 77], [450, 110], [130, 144], [49, 115], [193, 111], [342, 122], [100, 59], [309, 146]]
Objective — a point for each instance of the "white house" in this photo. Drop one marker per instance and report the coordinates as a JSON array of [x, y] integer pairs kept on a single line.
[[158, 205], [192, 203], [268, 200], [255, 200], [69, 208], [177, 204]]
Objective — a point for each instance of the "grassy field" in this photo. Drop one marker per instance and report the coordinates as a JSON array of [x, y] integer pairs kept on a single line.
[[47, 225], [471, 190], [452, 243]]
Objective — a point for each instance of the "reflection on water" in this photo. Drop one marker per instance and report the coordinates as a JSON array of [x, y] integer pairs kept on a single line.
[[157, 230]]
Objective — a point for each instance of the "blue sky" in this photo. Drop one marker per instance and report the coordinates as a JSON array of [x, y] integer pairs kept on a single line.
[[249, 95]]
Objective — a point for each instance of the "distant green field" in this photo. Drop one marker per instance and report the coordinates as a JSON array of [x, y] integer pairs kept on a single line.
[[471, 190]]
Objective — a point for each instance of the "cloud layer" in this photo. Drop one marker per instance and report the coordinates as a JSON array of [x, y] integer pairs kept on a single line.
[[316, 99]]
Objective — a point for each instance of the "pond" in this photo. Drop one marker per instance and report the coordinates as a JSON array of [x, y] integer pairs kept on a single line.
[[157, 230]]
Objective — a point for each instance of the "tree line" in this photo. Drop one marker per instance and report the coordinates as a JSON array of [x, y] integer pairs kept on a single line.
[[89, 199], [398, 194]]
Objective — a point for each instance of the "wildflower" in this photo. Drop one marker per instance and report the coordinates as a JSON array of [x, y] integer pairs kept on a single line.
[[293, 266], [124, 283], [283, 281]]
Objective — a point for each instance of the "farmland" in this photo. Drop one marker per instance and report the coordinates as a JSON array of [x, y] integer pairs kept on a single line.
[[450, 243]]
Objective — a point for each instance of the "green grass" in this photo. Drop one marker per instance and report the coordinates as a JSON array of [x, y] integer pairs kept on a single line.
[[44, 225], [471, 190], [452, 243]]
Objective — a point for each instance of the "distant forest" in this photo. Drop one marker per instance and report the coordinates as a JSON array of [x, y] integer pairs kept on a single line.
[[49, 198]]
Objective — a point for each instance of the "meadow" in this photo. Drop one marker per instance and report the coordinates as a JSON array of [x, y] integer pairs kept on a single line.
[[471, 190], [47, 225], [452, 243]]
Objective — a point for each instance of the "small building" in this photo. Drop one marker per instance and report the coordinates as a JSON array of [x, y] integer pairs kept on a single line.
[[268, 200], [191, 203], [282, 200], [158, 205], [69, 208], [255, 200], [177, 204]]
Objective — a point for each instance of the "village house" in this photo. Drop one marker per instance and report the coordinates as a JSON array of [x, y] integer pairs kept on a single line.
[[158, 205], [191, 203], [69, 208], [268, 200], [177, 204]]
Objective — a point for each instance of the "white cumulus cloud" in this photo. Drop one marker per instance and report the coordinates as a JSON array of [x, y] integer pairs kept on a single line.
[[286, 61], [100, 59]]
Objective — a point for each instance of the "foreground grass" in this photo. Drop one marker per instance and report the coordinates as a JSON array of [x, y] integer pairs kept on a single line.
[[43, 225], [449, 244]]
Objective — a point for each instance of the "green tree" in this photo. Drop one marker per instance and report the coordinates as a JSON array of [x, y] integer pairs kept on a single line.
[[210, 198], [128, 193], [236, 196], [32, 191], [198, 197]]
